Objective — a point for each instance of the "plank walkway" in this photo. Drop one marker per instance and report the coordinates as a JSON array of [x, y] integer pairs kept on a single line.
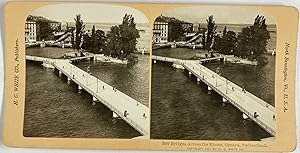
[[244, 101]]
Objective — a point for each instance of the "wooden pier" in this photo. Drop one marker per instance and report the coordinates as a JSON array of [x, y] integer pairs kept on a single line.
[[251, 106]]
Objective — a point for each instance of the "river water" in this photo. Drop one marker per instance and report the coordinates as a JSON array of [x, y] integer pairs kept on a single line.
[[55, 109], [183, 109]]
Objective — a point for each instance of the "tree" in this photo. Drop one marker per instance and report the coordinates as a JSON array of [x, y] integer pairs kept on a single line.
[[129, 34], [252, 41], [224, 31], [122, 39], [211, 31], [87, 42], [79, 30], [93, 39], [218, 43], [175, 31], [99, 41], [113, 41], [203, 39], [72, 37], [45, 32], [227, 43]]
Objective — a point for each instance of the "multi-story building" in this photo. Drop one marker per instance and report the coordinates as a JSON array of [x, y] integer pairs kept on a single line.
[[38, 28], [160, 32], [30, 31]]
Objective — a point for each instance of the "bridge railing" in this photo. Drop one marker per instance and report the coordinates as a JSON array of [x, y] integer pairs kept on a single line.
[[73, 74], [261, 122], [234, 87]]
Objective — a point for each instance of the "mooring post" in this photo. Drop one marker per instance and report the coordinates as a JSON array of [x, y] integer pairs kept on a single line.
[[190, 74], [115, 115], [68, 80], [245, 116], [209, 88], [94, 101], [79, 89], [224, 101], [198, 80]]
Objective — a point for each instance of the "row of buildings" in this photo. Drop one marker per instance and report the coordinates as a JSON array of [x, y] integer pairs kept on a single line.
[[169, 29], [38, 28]]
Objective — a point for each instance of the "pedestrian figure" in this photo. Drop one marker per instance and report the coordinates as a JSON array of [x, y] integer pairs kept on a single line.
[[137, 103], [103, 87], [73, 76], [255, 115], [274, 117], [232, 88], [125, 113], [144, 115], [218, 70], [88, 69], [243, 89]]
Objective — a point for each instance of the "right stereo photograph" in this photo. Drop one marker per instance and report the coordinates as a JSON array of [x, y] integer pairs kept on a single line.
[[213, 74]]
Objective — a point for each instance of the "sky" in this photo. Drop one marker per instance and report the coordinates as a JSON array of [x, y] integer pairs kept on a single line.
[[102, 13], [222, 15]]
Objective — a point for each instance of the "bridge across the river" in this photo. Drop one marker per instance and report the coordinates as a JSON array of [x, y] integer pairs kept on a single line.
[[133, 112], [252, 107]]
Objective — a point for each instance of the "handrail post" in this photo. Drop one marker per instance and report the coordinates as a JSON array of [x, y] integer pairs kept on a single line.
[[226, 86], [97, 86], [87, 79], [216, 80]]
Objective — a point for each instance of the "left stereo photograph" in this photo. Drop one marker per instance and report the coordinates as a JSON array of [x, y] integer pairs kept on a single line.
[[87, 72]]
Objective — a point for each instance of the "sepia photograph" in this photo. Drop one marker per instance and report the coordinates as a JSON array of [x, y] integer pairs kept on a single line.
[[87, 72], [150, 76], [213, 74]]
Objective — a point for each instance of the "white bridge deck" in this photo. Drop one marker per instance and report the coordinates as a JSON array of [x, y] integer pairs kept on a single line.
[[36, 58], [118, 102], [243, 100], [211, 58]]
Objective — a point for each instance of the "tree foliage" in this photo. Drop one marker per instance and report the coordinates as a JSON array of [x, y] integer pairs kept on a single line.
[[175, 32], [122, 39], [252, 41], [96, 42], [226, 44], [79, 31], [46, 31], [211, 31]]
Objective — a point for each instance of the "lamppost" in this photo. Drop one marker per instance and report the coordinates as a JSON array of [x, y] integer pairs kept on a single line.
[[226, 85], [97, 85], [217, 74]]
